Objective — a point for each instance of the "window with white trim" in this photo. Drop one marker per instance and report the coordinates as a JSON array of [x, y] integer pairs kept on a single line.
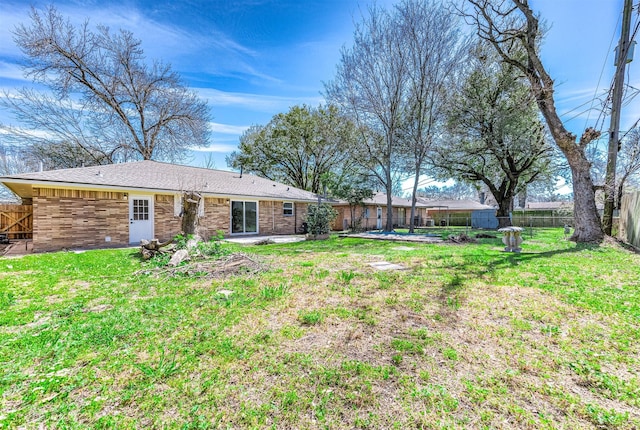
[[140, 209], [287, 208]]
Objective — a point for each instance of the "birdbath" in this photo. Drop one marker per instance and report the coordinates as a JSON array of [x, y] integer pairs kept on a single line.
[[512, 238]]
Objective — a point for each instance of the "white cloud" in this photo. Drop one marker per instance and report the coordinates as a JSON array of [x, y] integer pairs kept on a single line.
[[12, 15], [215, 147], [254, 101], [42, 134], [11, 71], [227, 128]]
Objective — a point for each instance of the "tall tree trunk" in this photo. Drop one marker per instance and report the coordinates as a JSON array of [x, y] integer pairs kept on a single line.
[[190, 203], [504, 209], [413, 200], [587, 224], [522, 198], [620, 193], [388, 226]]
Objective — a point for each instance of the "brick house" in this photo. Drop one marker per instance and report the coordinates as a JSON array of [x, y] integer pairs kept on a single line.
[[373, 213], [120, 204]]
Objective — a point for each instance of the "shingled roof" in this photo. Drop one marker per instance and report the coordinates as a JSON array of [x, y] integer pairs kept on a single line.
[[154, 176], [454, 204]]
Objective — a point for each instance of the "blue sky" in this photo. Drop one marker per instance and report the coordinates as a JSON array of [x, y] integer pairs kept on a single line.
[[252, 59]]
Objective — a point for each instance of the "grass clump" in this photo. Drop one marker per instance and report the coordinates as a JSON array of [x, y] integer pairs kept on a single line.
[[313, 317]]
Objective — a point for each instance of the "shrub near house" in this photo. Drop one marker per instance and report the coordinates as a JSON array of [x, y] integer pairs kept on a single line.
[[319, 219]]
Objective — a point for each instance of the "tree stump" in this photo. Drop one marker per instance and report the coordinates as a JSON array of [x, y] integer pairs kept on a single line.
[[149, 249], [178, 257]]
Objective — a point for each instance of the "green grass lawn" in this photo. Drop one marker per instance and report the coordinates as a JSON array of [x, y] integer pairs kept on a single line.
[[467, 336]]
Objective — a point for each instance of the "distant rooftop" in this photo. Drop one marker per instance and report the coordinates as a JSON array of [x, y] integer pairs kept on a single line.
[[454, 204], [548, 205]]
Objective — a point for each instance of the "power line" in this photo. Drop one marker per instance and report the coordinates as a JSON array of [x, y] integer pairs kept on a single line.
[[578, 107]]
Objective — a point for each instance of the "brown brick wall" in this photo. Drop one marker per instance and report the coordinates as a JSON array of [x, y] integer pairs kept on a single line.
[[166, 225], [273, 221], [78, 219], [65, 218], [216, 218]]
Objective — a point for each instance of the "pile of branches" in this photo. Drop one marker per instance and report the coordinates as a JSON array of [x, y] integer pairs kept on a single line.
[[232, 264], [191, 261], [462, 238], [151, 248]]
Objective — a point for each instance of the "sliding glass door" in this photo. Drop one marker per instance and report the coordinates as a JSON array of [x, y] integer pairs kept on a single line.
[[244, 217]]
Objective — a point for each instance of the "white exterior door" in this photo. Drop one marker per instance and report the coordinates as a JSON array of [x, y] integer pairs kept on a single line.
[[140, 218], [379, 218]]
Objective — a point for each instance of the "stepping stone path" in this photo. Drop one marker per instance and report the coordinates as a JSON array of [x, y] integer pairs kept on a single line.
[[384, 265]]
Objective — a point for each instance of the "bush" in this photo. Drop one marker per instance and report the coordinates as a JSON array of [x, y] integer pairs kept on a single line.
[[319, 218], [212, 248]]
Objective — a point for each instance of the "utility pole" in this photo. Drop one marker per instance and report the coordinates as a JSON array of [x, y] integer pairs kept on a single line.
[[614, 128]]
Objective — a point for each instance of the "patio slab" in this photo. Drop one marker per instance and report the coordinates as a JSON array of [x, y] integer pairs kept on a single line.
[[17, 248], [251, 240], [385, 265]]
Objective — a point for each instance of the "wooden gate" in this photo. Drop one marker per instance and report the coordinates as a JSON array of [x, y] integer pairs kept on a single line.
[[16, 221]]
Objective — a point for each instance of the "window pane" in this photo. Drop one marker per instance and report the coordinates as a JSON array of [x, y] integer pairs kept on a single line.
[[250, 217], [237, 217], [140, 210], [144, 212]]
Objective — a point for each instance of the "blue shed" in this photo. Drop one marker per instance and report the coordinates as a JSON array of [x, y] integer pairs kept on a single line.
[[484, 218]]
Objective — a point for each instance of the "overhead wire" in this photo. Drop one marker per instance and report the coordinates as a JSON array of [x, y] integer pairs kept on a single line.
[[577, 107]]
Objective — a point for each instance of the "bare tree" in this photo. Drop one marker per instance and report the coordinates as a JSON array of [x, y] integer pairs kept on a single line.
[[107, 103], [508, 23], [11, 163], [435, 51], [370, 86], [628, 163]]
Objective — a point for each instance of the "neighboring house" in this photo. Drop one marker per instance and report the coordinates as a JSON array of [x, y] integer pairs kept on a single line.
[[460, 213], [373, 213], [120, 204]]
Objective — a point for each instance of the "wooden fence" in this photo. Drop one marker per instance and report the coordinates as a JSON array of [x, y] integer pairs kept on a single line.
[[629, 227], [16, 221]]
